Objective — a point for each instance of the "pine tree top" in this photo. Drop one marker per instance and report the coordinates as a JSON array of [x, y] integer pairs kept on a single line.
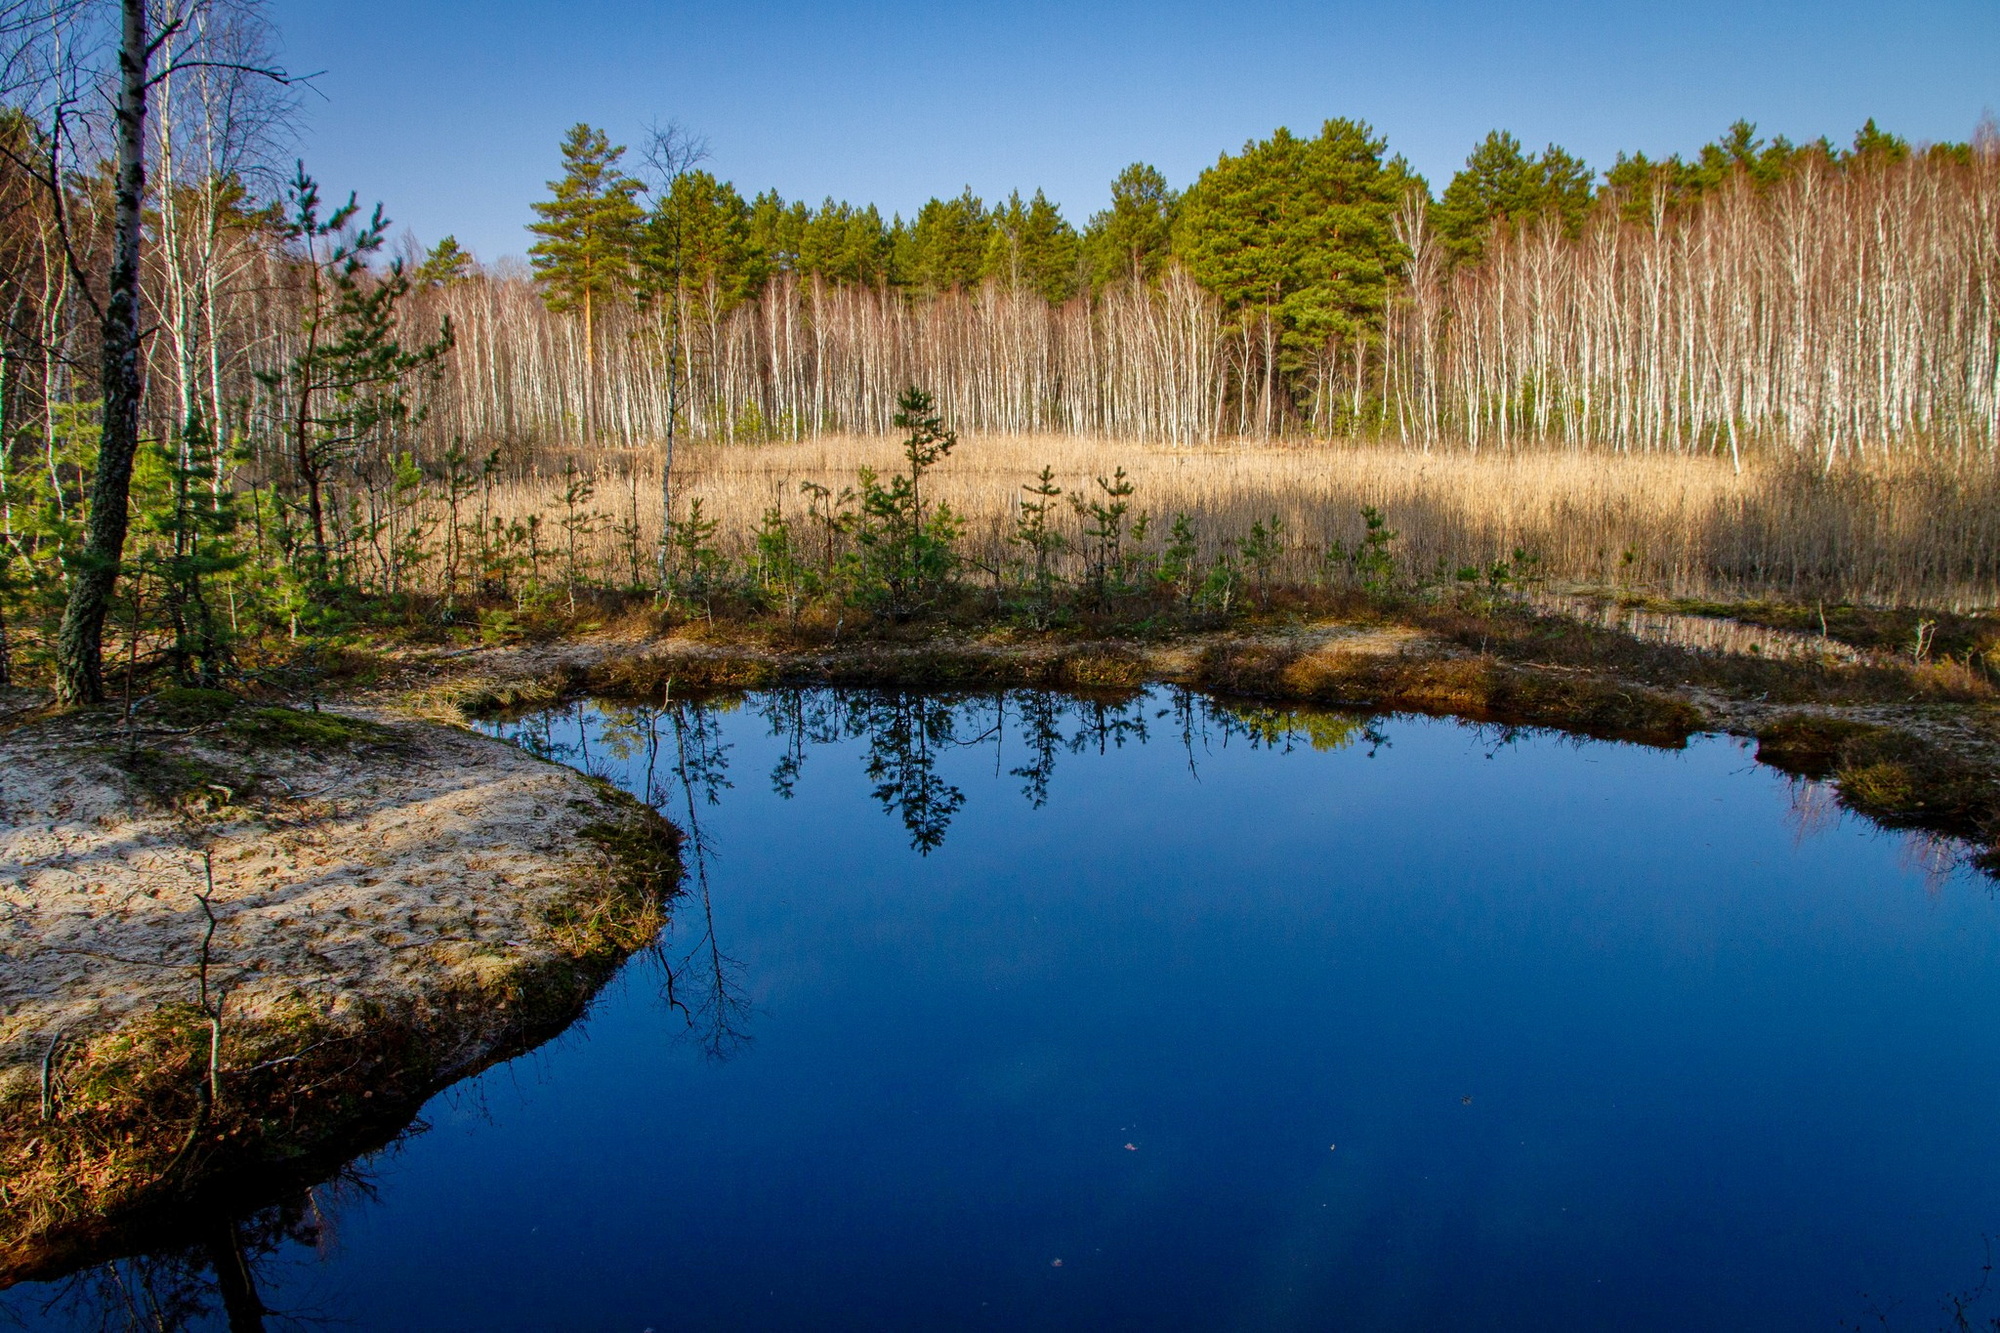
[[589, 227]]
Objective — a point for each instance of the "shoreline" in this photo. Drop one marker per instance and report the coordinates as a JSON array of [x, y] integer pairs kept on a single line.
[[1914, 747], [120, 1111]]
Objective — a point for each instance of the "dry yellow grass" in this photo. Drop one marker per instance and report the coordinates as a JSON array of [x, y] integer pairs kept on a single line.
[[1914, 529]]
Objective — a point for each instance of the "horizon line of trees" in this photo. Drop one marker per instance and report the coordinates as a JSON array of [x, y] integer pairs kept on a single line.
[[1755, 292], [626, 237]]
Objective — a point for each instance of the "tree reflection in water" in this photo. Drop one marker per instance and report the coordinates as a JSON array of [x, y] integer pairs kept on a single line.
[[686, 770], [220, 1269], [907, 734]]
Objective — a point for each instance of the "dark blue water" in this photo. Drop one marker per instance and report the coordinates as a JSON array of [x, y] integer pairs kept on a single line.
[[1044, 1015]]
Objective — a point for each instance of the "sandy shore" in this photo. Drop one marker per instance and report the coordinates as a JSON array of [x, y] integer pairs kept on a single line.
[[299, 885]]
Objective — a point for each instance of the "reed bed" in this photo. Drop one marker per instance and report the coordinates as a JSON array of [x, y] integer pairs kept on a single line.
[[1909, 529]]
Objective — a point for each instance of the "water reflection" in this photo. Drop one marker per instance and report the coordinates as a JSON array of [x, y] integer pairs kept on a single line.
[[677, 752], [719, 1016], [906, 735], [1364, 967], [216, 1273]]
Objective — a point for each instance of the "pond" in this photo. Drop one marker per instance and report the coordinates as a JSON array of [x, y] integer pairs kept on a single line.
[[1029, 1011]]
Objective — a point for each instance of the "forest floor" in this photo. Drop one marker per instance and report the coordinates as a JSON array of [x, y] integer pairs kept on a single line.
[[241, 941]]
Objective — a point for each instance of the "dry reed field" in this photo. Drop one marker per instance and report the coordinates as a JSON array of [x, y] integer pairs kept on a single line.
[[1905, 529]]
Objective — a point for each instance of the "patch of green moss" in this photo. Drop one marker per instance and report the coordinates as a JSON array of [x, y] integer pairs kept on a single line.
[[288, 728], [182, 706]]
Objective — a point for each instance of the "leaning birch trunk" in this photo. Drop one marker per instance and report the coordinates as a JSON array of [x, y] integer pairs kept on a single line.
[[80, 642]]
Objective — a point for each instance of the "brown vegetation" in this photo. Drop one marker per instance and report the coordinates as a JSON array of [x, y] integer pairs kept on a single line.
[[1910, 528]]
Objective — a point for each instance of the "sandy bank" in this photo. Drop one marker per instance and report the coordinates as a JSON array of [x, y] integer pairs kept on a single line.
[[358, 910]]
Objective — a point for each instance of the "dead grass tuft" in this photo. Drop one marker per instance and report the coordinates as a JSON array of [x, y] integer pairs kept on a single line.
[[1893, 776], [1476, 687]]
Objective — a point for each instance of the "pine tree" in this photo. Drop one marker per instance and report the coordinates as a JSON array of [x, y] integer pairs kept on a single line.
[[195, 521], [845, 244], [1876, 145], [777, 233], [1132, 238], [1032, 248], [1042, 540], [1741, 152], [948, 243], [446, 264], [908, 552], [1500, 183], [902, 252], [1643, 186], [702, 242], [589, 231], [1294, 236], [344, 388]]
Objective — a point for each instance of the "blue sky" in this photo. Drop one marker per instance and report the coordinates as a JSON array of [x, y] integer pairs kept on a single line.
[[450, 112]]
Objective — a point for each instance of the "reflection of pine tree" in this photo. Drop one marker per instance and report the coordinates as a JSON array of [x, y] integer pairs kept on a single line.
[[1108, 725], [1041, 720], [905, 733], [785, 712], [1098, 723], [536, 733], [1191, 713], [701, 758], [802, 719]]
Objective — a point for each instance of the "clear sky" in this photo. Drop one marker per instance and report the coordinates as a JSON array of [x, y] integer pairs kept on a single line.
[[450, 112]]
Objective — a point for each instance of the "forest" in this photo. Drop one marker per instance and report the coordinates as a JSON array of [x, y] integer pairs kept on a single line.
[[242, 421]]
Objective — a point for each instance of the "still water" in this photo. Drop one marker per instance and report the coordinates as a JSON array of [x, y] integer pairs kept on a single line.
[[1025, 1012]]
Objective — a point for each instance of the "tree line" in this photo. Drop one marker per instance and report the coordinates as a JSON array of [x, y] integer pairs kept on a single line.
[[1755, 292], [1297, 238]]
